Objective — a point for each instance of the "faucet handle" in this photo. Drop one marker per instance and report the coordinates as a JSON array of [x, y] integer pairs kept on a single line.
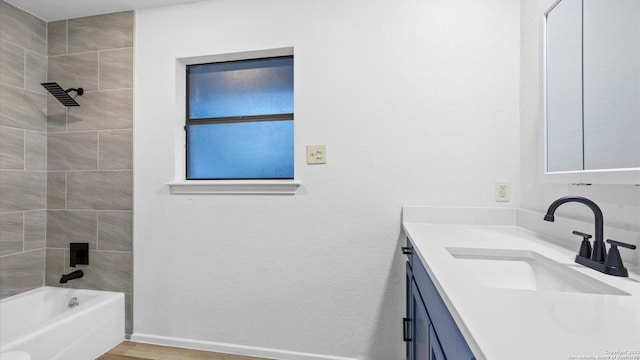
[[613, 264], [620, 243], [584, 235], [585, 246]]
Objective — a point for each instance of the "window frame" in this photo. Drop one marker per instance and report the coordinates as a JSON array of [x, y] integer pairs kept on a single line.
[[227, 119], [180, 184]]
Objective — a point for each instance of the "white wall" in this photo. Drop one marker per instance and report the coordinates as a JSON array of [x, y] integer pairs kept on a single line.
[[417, 102], [620, 203]]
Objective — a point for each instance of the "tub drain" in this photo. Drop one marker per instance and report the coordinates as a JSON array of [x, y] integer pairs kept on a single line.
[[73, 302]]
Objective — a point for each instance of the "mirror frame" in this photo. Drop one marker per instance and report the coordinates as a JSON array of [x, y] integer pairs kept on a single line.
[[628, 176]]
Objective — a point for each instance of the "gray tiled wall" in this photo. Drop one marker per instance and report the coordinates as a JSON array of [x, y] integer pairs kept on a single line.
[[66, 174], [23, 144], [89, 151]]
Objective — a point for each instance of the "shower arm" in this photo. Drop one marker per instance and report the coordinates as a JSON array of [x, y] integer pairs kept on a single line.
[[78, 91]]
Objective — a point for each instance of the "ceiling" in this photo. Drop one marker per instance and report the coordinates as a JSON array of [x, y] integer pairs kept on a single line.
[[49, 10]]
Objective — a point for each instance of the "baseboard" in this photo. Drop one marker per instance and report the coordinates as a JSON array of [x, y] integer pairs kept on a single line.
[[231, 348]]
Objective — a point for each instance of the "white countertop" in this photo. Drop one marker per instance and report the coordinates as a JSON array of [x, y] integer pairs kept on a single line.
[[507, 324]]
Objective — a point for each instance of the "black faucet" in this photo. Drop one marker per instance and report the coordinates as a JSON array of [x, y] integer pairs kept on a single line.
[[596, 259], [599, 251], [70, 276]]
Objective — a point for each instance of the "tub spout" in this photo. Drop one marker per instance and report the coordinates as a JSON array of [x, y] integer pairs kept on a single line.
[[70, 276]]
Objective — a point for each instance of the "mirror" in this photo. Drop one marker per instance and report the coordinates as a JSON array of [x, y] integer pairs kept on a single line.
[[592, 87]]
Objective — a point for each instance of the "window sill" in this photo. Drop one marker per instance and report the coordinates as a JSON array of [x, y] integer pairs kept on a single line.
[[235, 187]]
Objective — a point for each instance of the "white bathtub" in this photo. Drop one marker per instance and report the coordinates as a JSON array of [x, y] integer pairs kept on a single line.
[[41, 323]]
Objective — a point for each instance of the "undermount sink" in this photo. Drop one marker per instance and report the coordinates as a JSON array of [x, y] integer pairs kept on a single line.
[[526, 270]]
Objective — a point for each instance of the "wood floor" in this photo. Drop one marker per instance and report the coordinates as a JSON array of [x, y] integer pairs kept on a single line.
[[129, 350]]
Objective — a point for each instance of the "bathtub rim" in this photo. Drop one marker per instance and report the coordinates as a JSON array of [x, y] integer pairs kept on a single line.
[[103, 299]]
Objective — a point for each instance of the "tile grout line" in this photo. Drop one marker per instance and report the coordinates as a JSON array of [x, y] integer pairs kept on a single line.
[[24, 151], [24, 68], [24, 247], [97, 232], [67, 53], [99, 81], [97, 150], [66, 36]]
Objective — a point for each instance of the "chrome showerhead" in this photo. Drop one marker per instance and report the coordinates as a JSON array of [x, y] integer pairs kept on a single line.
[[62, 95]]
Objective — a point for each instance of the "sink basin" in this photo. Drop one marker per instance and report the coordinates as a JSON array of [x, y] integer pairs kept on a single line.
[[526, 270]]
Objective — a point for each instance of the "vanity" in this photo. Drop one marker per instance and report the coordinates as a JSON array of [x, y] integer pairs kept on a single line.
[[491, 284], [503, 284]]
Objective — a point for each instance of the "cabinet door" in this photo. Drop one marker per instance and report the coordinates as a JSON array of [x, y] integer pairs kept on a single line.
[[420, 324], [435, 350], [407, 321], [452, 342]]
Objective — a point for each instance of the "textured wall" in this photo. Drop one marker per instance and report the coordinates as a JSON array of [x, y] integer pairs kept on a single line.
[[89, 151], [23, 142], [417, 102]]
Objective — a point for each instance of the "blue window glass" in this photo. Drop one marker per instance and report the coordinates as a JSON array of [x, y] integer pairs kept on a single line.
[[243, 150], [241, 88], [240, 119]]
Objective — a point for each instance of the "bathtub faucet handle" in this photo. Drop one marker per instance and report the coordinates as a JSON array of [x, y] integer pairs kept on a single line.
[[78, 254]]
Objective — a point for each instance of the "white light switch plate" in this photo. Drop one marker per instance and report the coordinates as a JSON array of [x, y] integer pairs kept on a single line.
[[316, 154]]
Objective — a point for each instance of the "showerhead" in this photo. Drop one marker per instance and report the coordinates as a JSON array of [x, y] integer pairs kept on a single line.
[[62, 95]]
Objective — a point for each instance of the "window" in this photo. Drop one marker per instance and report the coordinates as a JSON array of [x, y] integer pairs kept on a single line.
[[240, 119]]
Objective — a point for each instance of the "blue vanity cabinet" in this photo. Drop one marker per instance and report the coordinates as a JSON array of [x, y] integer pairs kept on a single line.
[[435, 350], [429, 329], [420, 325]]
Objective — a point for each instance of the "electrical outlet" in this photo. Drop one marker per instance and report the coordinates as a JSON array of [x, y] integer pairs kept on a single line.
[[502, 191], [316, 154]]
